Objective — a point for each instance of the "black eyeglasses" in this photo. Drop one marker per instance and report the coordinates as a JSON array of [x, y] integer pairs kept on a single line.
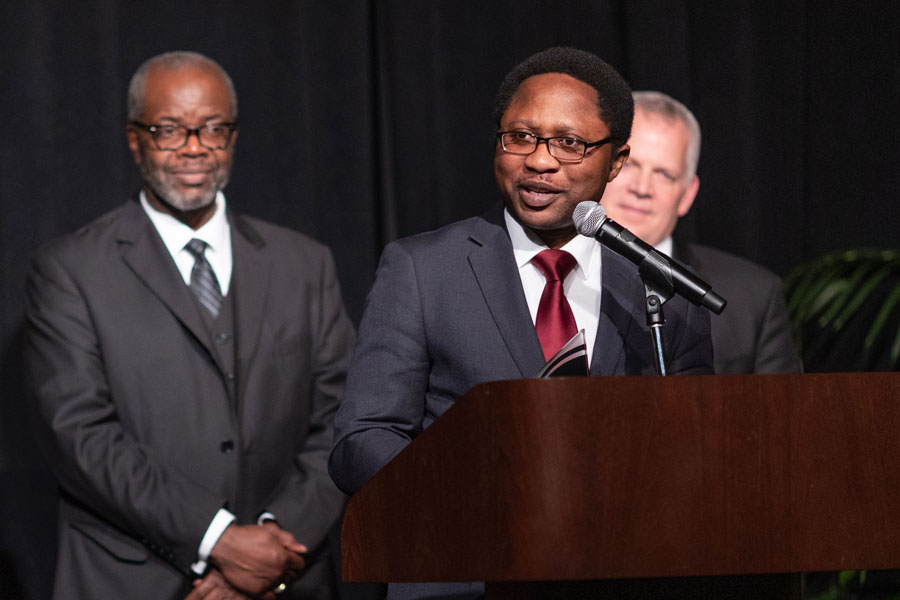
[[564, 149], [214, 136]]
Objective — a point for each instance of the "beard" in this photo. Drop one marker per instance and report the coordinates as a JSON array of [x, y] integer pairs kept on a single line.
[[167, 192]]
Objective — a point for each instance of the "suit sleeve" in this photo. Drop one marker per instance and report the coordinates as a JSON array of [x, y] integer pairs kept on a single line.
[[97, 462], [775, 348], [307, 501], [384, 406]]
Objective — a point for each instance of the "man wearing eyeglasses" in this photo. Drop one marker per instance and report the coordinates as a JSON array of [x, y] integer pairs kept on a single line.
[[468, 303], [186, 362]]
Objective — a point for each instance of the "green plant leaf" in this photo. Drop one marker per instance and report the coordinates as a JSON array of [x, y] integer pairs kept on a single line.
[[809, 296], [825, 296], [881, 318], [847, 578], [895, 349], [862, 294], [848, 287]]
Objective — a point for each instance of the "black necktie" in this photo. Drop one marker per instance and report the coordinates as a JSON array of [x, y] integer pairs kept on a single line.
[[203, 280]]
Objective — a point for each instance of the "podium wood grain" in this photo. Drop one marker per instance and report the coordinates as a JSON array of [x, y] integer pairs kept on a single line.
[[639, 477]]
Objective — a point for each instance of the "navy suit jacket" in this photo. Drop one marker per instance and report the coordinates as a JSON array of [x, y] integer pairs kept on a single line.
[[447, 312]]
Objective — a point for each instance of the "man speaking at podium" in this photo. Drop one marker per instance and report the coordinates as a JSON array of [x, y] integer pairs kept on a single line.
[[493, 297]]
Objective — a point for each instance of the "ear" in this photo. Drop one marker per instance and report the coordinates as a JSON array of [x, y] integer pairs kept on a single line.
[[134, 143], [622, 156], [687, 198]]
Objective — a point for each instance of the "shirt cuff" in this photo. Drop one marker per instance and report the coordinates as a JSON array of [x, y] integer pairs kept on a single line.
[[215, 530]]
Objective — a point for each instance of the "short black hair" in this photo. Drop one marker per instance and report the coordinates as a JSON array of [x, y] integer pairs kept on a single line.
[[613, 94]]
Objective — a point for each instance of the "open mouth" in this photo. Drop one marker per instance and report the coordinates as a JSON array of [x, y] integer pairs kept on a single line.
[[538, 194]]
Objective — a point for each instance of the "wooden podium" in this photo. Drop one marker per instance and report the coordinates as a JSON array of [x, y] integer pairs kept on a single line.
[[616, 487]]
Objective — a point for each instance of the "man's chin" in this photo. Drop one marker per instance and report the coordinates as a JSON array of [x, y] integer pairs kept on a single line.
[[195, 205], [544, 221], [190, 202]]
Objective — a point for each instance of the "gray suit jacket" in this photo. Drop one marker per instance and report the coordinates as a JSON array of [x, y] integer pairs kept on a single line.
[[132, 402], [447, 312], [753, 334]]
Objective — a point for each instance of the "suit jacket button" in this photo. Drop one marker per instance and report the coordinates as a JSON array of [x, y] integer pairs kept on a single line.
[[226, 447], [221, 338]]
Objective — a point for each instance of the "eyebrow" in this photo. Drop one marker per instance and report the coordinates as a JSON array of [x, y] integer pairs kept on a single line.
[[560, 126], [560, 129]]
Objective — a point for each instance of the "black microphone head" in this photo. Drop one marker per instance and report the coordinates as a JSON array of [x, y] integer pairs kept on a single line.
[[588, 217]]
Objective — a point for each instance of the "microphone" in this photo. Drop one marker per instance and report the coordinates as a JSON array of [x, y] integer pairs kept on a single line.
[[591, 220]]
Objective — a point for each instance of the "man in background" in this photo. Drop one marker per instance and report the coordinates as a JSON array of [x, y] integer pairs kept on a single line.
[[657, 186], [185, 363]]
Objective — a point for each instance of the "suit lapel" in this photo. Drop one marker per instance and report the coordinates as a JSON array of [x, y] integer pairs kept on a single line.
[[249, 286], [683, 253], [146, 255], [493, 264], [618, 312]]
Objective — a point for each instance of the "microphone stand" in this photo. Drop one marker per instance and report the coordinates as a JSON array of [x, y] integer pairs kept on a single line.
[[659, 287], [657, 272]]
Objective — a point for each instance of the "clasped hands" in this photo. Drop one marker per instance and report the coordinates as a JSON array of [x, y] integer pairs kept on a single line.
[[251, 561]]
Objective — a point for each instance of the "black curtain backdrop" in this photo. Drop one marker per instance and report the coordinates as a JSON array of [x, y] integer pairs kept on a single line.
[[366, 120]]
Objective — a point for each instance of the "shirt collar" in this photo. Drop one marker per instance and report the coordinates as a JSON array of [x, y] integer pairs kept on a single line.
[[665, 246], [176, 234], [526, 245]]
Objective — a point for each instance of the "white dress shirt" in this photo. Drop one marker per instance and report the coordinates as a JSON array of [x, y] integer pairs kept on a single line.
[[217, 234], [665, 246], [582, 286]]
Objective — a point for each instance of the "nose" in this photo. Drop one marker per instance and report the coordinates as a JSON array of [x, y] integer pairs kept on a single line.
[[639, 184], [541, 160], [192, 146]]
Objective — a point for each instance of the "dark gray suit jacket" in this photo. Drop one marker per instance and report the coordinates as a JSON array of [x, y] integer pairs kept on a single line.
[[132, 402], [447, 312], [753, 333]]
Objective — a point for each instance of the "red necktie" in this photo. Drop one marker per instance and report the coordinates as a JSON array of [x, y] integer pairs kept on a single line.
[[555, 322]]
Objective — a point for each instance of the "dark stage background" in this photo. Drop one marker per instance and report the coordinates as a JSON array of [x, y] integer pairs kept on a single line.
[[366, 120]]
